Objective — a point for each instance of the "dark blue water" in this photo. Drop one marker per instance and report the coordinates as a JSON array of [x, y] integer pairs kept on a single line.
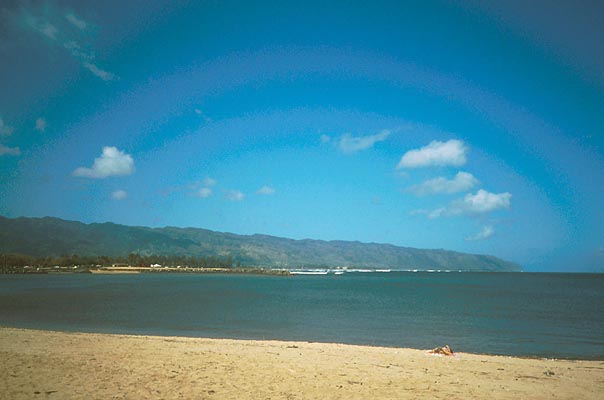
[[545, 315]]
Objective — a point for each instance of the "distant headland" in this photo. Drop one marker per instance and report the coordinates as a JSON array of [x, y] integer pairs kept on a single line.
[[50, 237]]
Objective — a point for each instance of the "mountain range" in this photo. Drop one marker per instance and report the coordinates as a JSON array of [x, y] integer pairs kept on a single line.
[[41, 237]]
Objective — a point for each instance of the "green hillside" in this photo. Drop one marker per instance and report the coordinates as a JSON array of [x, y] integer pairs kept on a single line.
[[40, 237]]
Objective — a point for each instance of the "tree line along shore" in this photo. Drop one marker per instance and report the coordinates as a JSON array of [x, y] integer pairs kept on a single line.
[[132, 263]]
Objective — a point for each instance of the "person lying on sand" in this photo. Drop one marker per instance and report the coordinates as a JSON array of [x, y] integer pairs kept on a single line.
[[445, 351]]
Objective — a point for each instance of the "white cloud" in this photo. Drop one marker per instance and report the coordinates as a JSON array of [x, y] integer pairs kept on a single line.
[[75, 21], [112, 162], [40, 21], [351, 144], [9, 151], [5, 130], [479, 203], [325, 139], [119, 195], [421, 211], [209, 181], [104, 75], [48, 30], [452, 152], [198, 111], [199, 188], [41, 124], [482, 202], [234, 195], [43, 27], [462, 182], [439, 212], [266, 190], [485, 233], [204, 192], [77, 51]]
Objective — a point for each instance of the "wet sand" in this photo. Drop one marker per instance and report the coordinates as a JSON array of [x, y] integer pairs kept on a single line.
[[57, 365]]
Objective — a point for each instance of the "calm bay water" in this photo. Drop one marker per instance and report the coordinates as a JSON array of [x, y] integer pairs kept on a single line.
[[545, 315]]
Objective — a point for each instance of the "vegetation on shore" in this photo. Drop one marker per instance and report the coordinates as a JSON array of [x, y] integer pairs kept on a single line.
[[24, 264]]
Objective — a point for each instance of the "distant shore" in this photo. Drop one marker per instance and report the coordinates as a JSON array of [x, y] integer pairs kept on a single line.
[[185, 270], [138, 270], [84, 365]]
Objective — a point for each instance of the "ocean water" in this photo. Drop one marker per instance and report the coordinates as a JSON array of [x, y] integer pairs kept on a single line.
[[522, 314]]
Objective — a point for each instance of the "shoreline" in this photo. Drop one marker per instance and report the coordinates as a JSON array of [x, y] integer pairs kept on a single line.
[[369, 345], [93, 365], [148, 270]]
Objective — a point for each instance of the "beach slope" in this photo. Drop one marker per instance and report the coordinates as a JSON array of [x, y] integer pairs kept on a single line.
[[44, 364]]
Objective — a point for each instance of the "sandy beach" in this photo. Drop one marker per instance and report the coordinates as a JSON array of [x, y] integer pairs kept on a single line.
[[45, 364]]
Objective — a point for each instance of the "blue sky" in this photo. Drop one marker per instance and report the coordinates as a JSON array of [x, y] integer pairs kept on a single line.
[[471, 126]]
